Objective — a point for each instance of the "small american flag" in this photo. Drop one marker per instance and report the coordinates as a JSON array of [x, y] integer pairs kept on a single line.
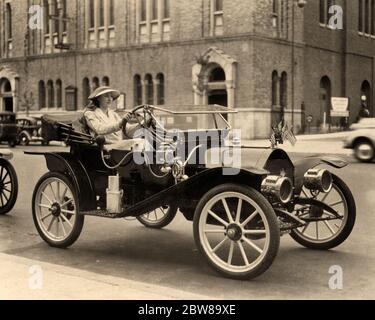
[[273, 139], [289, 135]]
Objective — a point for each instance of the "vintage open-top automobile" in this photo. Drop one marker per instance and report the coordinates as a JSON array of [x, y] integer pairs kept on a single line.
[[238, 213]]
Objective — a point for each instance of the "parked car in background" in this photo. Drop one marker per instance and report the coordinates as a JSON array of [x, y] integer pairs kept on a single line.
[[8, 128], [30, 130], [361, 139]]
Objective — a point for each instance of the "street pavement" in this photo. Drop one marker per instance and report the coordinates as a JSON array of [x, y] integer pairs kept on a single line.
[[121, 259]]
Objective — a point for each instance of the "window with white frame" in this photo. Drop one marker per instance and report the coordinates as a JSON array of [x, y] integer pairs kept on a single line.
[[100, 23], [153, 20], [217, 20], [366, 17], [280, 17]]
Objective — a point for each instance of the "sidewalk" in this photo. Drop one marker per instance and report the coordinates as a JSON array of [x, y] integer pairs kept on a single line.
[[18, 274]]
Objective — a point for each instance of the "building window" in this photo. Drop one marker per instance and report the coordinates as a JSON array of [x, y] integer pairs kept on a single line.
[[8, 17], [149, 86], [46, 11], [111, 13], [65, 15], [166, 9], [217, 20], [55, 13], [279, 14], [153, 20], [284, 90], [218, 5], [105, 81], [275, 84], [138, 92], [325, 101], [95, 83], [85, 91], [91, 14], [100, 20], [324, 12], [366, 91], [42, 94], [101, 13], [367, 16], [360, 16], [160, 96], [143, 10], [154, 10], [50, 94], [59, 93]]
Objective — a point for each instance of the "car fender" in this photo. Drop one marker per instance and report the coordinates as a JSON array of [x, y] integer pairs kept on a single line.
[[66, 164], [353, 136], [302, 165], [28, 135]]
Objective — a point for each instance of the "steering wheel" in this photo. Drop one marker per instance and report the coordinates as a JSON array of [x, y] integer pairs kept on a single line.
[[143, 119]]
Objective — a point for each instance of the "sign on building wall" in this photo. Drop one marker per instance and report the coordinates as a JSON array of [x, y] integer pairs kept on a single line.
[[121, 102], [340, 107]]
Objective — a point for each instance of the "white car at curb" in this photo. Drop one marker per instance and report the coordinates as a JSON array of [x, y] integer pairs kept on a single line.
[[361, 139]]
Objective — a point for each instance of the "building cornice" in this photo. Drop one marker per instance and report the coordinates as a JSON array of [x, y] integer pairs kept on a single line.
[[209, 41]]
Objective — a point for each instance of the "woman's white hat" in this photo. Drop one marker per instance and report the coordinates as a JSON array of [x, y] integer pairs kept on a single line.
[[363, 98], [103, 90]]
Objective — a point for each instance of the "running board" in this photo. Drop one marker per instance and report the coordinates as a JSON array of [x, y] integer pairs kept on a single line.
[[103, 214]]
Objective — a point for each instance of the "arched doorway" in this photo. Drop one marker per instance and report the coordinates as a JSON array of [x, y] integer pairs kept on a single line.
[[325, 101], [214, 78], [366, 91], [6, 95], [217, 91]]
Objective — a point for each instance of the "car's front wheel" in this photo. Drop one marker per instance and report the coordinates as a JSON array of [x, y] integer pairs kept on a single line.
[[323, 230], [55, 210], [24, 139], [237, 231], [364, 151]]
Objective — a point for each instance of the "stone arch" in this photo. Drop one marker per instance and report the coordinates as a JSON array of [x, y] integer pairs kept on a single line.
[[11, 78], [210, 60], [366, 91]]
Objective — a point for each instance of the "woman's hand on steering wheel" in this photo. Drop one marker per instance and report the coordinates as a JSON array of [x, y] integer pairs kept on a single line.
[[126, 119]]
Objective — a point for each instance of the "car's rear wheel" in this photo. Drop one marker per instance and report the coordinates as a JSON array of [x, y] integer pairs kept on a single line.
[[8, 186], [236, 230], [364, 151], [12, 143], [158, 218], [56, 210], [24, 139]]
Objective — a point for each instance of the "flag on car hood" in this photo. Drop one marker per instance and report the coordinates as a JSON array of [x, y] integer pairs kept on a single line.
[[289, 135]]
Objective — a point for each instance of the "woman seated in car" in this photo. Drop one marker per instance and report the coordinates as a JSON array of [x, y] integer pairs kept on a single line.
[[102, 120]]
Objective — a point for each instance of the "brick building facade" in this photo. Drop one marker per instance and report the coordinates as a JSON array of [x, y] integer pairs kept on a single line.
[[238, 53]]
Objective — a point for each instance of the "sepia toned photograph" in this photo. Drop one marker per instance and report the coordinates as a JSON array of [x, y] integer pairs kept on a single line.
[[161, 150]]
